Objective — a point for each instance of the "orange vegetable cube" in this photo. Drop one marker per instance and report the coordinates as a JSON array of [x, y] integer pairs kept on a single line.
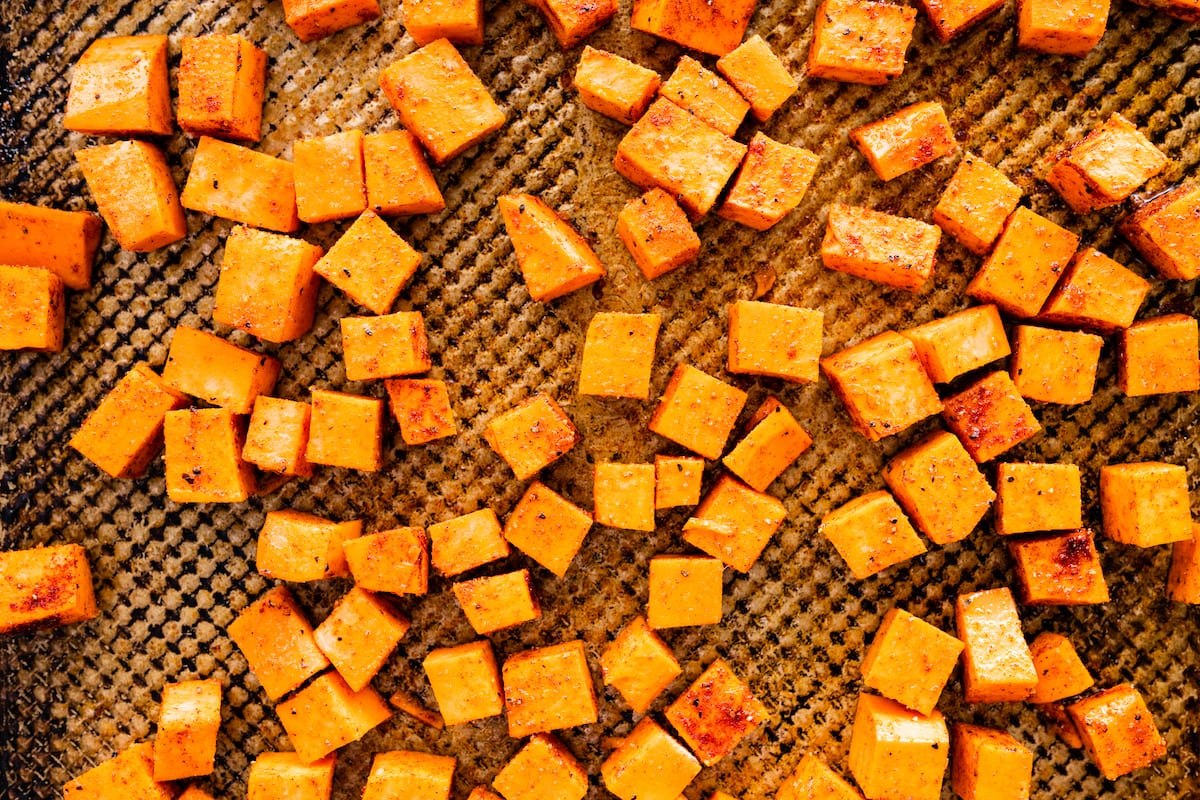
[[1060, 569], [370, 263], [464, 543], [222, 80], [910, 661], [532, 435], [543, 769], [278, 436], [897, 753], [770, 183], [411, 705], [1118, 730], [997, 665], [860, 41], [287, 776], [234, 182], [359, 635], [277, 641], [298, 547], [394, 561], [1158, 356], [346, 431], [623, 496], [1061, 725], [989, 764], [677, 481], [267, 286], [639, 664], [554, 259], [1028, 258], [327, 714], [465, 681], [1146, 504], [204, 457], [949, 18], [1052, 26], [990, 417], [959, 343], [119, 87], [460, 21], [422, 408], [34, 309], [977, 201], [45, 587], [548, 689], [194, 792], [315, 19], [734, 523], [63, 242], [868, 244], [618, 355], [1164, 232], [649, 765], [871, 533], [1107, 165], [773, 441], [218, 372], [497, 602], [1038, 497], [759, 76], [684, 591], [572, 21], [697, 411], [135, 193], [715, 713], [705, 95], [812, 780], [1061, 673], [411, 775], [657, 233], [188, 720], [547, 527], [1183, 581], [614, 86], [1096, 292], [399, 180], [710, 26], [385, 346], [908, 139], [129, 774], [330, 182], [940, 487]]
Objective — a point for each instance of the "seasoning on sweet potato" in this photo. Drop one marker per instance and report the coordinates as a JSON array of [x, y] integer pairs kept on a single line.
[[63, 242], [614, 86], [770, 183], [1053, 366], [234, 182], [623, 495], [204, 457], [997, 665], [277, 775], [315, 19], [464, 543], [1031, 498], [466, 682], [218, 372], [399, 180], [715, 27], [33, 309], [572, 21], [776, 340], [328, 714], [330, 182], [940, 487], [773, 440], [639, 664], [276, 639], [119, 87], [45, 587], [135, 193], [128, 774], [677, 481], [871, 533], [405, 773], [1061, 673], [547, 527], [976, 203], [1146, 503], [758, 75], [657, 233], [277, 436], [413, 706], [1096, 292], [910, 661], [385, 346], [705, 95], [618, 354], [422, 409], [298, 547], [1059, 569], [949, 18], [1071, 27], [684, 591], [1159, 355], [185, 745], [531, 436], [990, 417], [544, 767], [1183, 581], [548, 689], [870, 244], [496, 602], [860, 41], [222, 82], [715, 713], [734, 523], [952, 346], [989, 763], [1107, 165], [811, 780], [555, 260], [370, 263], [697, 411], [359, 635], [897, 752], [649, 765], [459, 21], [1118, 730], [1166, 234], [345, 430], [267, 286], [1030, 255], [908, 139], [395, 561]]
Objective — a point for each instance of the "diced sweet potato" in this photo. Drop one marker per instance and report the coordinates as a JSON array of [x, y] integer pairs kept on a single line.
[[185, 745], [359, 635], [860, 41], [548, 689], [657, 233], [649, 765], [1096, 292], [1061, 725], [33, 309], [905, 140], [1054, 366], [464, 543], [997, 665], [45, 587], [705, 95], [871, 533], [329, 174], [677, 481], [770, 183], [119, 87], [547, 527], [346, 431], [555, 260], [949, 18], [989, 763], [1028, 258], [465, 681], [618, 354], [399, 180], [1118, 730], [412, 705], [967, 340], [204, 457], [776, 340], [697, 411], [759, 76], [129, 774], [811, 780], [1060, 569], [459, 21], [639, 665], [1108, 165], [1053, 26], [774, 440], [1164, 231], [1183, 581], [734, 523], [277, 436], [370, 263], [910, 661], [895, 752], [195, 792], [315, 19], [267, 286], [623, 495], [277, 641], [222, 80], [385, 346], [977, 201], [990, 417], [542, 769], [135, 193], [532, 435], [298, 547], [411, 775], [1146, 504], [233, 182], [1038, 497], [572, 21], [218, 372], [1158, 356], [710, 26], [422, 409], [940, 487], [614, 86], [394, 561], [497, 602], [63, 242], [327, 714], [715, 713], [684, 591], [287, 776], [868, 244], [1061, 673]]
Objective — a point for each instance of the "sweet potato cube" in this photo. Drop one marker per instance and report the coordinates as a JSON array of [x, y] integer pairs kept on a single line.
[[1059, 569], [267, 286], [34, 309], [813, 780], [399, 180], [287, 776], [990, 417], [1146, 504], [1053, 26], [697, 411], [639, 664], [277, 436], [910, 661], [359, 635], [554, 259], [1164, 232], [1183, 581], [543, 769], [897, 753], [222, 80], [194, 792], [657, 233], [135, 193], [497, 602], [129, 774], [1107, 165], [385, 346], [908, 139], [1038, 497], [276, 639], [705, 95], [422, 409], [1061, 725], [547, 527], [234, 182], [370, 263], [188, 720], [328, 714], [868, 244], [460, 21], [882, 384], [315, 19], [759, 76], [684, 591], [298, 547], [464, 543], [45, 587], [871, 533], [990, 764], [997, 666], [677, 481], [618, 355], [976, 202], [949, 18], [715, 713], [1096, 292], [734, 523], [940, 487], [330, 182], [623, 496], [411, 705], [572, 21], [649, 765], [1028, 258], [614, 86], [1158, 356], [218, 372], [63, 242], [1061, 673], [119, 87], [1118, 730], [774, 440], [959, 343], [411, 775], [346, 431], [715, 27], [441, 100], [465, 681], [394, 561], [204, 457], [670, 149], [548, 689], [770, 183], [532, 435], [860, 41]]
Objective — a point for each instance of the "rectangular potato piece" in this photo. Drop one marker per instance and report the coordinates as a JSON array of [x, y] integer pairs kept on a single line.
[[45, 587], [63, 242]]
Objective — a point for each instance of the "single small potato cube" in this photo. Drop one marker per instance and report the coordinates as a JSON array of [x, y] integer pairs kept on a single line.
[[770, 183], [298, 547], [716, 712], [222, 81], [359, 635], [997, 665], [1038, 497], [411, 705], [315, 19], [547, 527], [234, 182], [497, 602], [1096, 292], [952, 346], [328, 714], [188, 720], [773, 441], [623, 496], [130, 774], [399, 180], [1059, 569], [990, 417], [135, 193], [346, 431], [670, 149], [204, 457], [460, 21], [715, 27], [677, 481], [441, 100], [63, 242], [1072, 27], [1107, 165], [218, 372], [411, 775], [860, 41], [464, 543], [394, 561], [949, 18], [287, 776], [370, 263], [614, 86], [277, 641], [868, 244], [532, 435], [1118, 730], [1164, 232], [1028, 258], [759, 76], [278, 436], [940, 487], [910, 138], [45, 587], [543, 769], [465, 681], [910, 661], [705, 95], [649, 765], [882, 384], [897, 753], [125, 432], [329, 176], [34, 309], [1146, 504], [267, 285], [639, 664], [422, 409], [548, 689], [572, 21], [811, 780], [871, 533], [1183, 581], [734, 523], [554, 259], [618, 355], [697, 411], [989, 764], [1061, 673], [977, 201], [684, 591], [386, 346], [657, 233], [1158, 356], [119, 87], [776, 340]]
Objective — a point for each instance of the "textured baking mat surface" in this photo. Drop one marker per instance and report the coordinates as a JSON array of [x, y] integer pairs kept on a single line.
[[170, 578]]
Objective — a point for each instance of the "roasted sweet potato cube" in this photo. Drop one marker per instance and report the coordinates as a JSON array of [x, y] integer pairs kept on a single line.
[[185, 745], [359, 635], [1060, 724], [860, 41], [222, 81], [422, 409], [572, 21], [33, 309], [1158, 356], [811, 780], [1028, 258], [328, 714], [895, 752], [298, 547], [218, 372], [614, 86], [868, 244], [1107, 165], [394, 561], [497, 602], [990, 417], [989, 764], [776, 340], [276, 639], [1052, 26], [547, 527], [465, 681], [135, 193], [649, 765], [1146, 504], [385, 346], [1165, 234], [464, 543], [1183, 581], [618, 355], [1096, 292], [554, 259], [910, 661], [412, 775], [623, 495], [63, 242], [954, 345], [287, 776], [940, 487], [543, 769], [657, 233], [697, 411], [277, 436], [770, 183], [1061, 673], [548, 689], [460, 21], [119, 87], [715, 713], [705, 95], [45, 587], [204, 457], [949, 18], [734, 523], [677, 481], [346, 431], [977, 201], [997, 666], [194, 792], [1118, 730], [315, 19], [759, 76], [234, 182], [370, 263], [882, 384], [684, 591], [905, 140], [639, 664], [871, 533], [411, 705], [670, 149], [1060, 569], [715, 27], [129, 774], [532, 435], [330, 182], [399, 180], [1038, 497], [267, 286], [774, 440]]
